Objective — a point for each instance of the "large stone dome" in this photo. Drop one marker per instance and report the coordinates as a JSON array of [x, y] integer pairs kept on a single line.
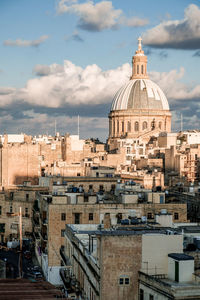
[[139, 109], [140, 94]]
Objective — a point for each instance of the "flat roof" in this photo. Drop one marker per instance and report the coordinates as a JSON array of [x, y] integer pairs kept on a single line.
[[25, 289], [180, 256]]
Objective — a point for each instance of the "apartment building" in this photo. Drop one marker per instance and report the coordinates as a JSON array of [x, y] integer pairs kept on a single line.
[[105, 264], [67, 204]]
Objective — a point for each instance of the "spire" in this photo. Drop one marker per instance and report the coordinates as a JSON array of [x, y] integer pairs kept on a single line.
[[139, 63]]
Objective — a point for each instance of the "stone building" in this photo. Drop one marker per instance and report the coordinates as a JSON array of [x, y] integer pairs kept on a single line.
[[68, 204], [139, 108], [104, 264], [10, 203]]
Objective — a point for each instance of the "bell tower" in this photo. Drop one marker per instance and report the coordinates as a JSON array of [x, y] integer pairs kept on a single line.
[[139, 63]]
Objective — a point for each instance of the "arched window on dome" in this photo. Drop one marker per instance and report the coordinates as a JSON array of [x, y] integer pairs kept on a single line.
[[144, 125], [129, 126], [113, 127], [136, 126], [160, 125], [142, 70], [153, 124], [117, 126], [137, 69], [122, 126]]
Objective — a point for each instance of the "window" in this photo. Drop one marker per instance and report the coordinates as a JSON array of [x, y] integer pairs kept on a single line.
[[160, 125], [129, 126], [62, 232], [117, 126], [124, 280], [101, 187], [144, 125], [76, 218], [137, 69], [26, 212], [128, 150], [141, 294], [63, 216], [136, 126], [11, 209], [153, 124], [176, 216], [127, 281], [11, 195], [142, 71], [151, 297], [149, 215], [112, 187], [27, 197], [113, 127], [90, 216], [122, 126], [90, 187]]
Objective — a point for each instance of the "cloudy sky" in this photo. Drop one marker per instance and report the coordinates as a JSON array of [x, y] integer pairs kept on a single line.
[[64, 58]]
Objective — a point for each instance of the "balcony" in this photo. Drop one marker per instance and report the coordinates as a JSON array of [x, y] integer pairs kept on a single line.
[[70, 282], [44, 236], [64, 257]]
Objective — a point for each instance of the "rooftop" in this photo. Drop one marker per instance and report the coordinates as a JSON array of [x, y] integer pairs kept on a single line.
[[23, 289]]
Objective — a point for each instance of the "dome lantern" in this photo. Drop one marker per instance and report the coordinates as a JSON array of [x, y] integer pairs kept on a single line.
[[139, 63]]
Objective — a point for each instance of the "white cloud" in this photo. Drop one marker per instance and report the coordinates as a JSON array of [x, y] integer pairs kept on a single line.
[[75, 36], [44, 70], [72, 85], [134, 22], [26, 43], [172, 86], [68, 84], [99, 16], [177, 34]]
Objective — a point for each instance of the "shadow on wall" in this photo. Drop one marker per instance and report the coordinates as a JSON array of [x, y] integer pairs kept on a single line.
[[26, 180]]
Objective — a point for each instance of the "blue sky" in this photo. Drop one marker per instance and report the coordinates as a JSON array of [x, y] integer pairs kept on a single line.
[[68, 57]]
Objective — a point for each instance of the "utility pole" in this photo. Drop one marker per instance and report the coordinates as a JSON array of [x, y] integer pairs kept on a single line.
[[19, 214], [181, 122], [78, 126], [55, 127], [20, 238]]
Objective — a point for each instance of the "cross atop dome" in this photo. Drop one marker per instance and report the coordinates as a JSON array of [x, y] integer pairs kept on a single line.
[[139, 63], [139, 43]]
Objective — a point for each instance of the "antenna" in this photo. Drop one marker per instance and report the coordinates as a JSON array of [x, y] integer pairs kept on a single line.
[[55, 128], [78, 126], [181, 122]]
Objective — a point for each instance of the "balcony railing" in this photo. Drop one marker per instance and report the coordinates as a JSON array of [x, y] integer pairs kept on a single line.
[[64, 257]]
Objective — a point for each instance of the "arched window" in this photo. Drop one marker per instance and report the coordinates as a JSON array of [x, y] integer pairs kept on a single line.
[[142, 71], [160, 125], [153, 124], [113, 127], [137, 69], [136, 126], [117, 126], [144, 125], [122, 126], [129, 126]]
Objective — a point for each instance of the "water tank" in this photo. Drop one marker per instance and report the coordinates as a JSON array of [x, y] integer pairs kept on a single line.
[[163, 211], [132, 213], [197, 241], [144, 219]]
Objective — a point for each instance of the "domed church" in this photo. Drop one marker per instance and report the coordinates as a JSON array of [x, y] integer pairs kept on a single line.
[[140, 108]]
